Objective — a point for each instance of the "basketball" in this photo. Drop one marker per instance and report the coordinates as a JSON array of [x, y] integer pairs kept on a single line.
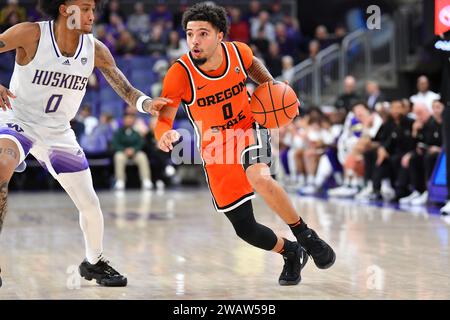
[[274, 104]]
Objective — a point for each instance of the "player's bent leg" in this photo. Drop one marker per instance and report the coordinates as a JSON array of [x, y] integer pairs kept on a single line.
[[9, 159], [258, 235], [278, 200], [80, 188], [274, 195]]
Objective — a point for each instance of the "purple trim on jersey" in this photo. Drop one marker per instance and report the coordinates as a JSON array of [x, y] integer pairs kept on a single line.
[[332, 157], [64, 162], [43, 165], [284, 160], [81, 47], [24, 141], [53, 40]]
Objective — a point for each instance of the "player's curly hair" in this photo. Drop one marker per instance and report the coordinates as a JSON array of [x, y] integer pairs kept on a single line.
[[51, 7], [209, 12]]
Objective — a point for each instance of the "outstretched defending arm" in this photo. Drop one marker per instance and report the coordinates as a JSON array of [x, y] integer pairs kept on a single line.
[[106, 64]]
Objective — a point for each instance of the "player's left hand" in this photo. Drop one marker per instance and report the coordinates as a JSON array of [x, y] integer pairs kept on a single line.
[[5, 94], [155, 105]]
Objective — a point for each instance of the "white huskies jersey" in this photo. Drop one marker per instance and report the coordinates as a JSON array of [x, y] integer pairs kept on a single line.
[[50, 88]]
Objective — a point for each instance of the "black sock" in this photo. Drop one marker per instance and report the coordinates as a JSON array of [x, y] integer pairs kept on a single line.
[[288, 246], [298, 227]]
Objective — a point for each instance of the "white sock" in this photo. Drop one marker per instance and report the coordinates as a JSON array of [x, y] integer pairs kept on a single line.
[[80, 189], [301, 179]]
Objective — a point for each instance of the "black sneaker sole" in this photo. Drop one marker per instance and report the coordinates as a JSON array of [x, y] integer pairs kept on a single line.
[[299, 279], [102, 282], [333, 260], [290, 283]]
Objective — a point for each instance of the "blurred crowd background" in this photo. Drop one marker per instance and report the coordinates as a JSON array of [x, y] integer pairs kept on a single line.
[[372, 94]]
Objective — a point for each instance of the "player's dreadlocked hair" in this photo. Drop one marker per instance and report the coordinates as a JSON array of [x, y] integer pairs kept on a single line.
[[51, 7], [209, 12]]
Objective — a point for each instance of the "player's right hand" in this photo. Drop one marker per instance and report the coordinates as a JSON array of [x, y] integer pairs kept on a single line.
[[167, 140], [5, 94]]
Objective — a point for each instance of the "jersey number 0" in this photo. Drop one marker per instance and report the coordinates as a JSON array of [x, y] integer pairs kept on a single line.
[[53, 103]]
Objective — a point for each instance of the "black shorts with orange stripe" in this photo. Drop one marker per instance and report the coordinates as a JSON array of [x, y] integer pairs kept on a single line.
[[261, 152]]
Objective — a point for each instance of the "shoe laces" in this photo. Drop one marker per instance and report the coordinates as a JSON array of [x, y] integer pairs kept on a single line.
[[314, 243], [107, 268]]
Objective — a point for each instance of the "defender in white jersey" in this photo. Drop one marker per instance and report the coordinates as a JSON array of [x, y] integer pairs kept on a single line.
[[53, 64]]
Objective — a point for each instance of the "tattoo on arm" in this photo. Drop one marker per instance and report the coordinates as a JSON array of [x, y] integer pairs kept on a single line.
[[106, 64], [258, 72], [3, 201], [2, 44]]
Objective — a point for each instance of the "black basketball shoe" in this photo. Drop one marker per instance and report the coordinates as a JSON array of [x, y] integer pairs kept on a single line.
[[294, 261], [103, 273], [321, 252]]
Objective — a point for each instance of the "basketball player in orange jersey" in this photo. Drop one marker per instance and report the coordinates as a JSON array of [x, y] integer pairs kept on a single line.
[[210, 82], [54, 60]]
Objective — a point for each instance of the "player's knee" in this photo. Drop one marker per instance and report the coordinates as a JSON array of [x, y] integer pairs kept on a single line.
[[246, 227], [118, 156], [92, 202], [259, 179]]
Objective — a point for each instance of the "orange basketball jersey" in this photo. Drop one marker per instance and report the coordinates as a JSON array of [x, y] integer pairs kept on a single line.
[[218, 103], [218, 107]]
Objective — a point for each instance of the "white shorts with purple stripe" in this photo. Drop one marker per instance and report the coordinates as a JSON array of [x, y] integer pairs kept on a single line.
[[57, 150]]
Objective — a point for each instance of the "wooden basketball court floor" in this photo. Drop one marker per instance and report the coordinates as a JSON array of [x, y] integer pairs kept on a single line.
[[173, 245]]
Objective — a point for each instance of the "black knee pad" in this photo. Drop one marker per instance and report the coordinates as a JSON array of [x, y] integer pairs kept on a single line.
[[249, 230]]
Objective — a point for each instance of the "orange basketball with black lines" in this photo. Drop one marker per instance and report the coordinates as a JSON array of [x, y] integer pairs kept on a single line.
[[274, 104]]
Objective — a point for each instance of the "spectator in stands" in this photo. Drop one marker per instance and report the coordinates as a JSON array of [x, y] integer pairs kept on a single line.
[[287, 63], [176, 46], [273, 59], [140, 124], [139, 23], [321, 35], [339, 32], [276, 12], [288, 44], [157, 46], [160, 68], [239, 28], [12, 13], [373, 93], [294, 32], [424, 94], [112, 9], [263, 22], [85, 116], [427, 130], [116, 25], [349, 98], [160, 163], [97, 144], [254, 8], [162, 15], [127, 144], [105, 37], [395, 141], [126, 44], [361, 126], [261, 43], [313, 49]]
